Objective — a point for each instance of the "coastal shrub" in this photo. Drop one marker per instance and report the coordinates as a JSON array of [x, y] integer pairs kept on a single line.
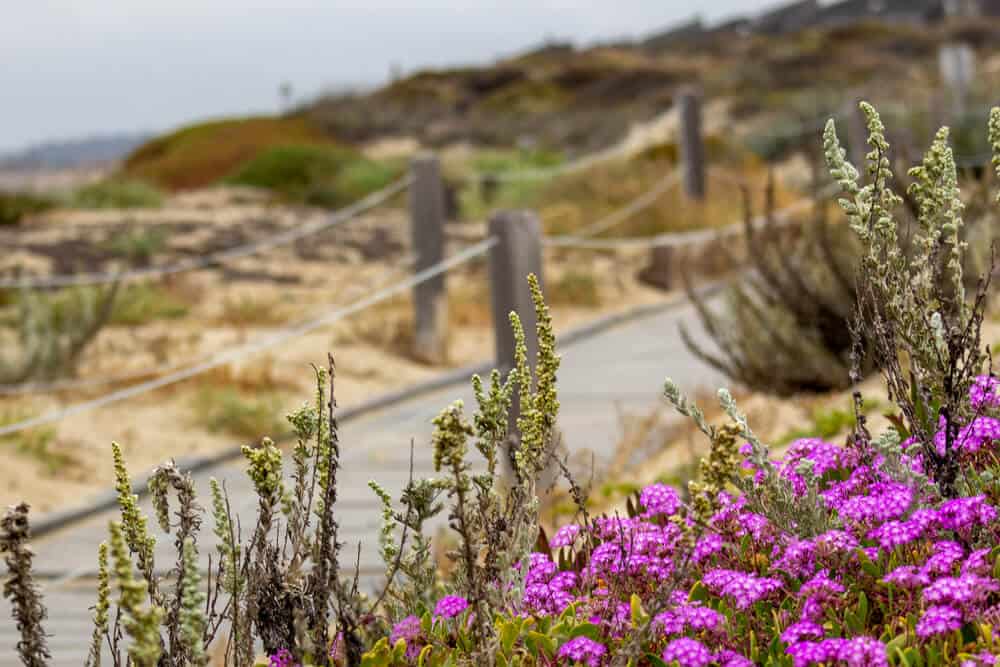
[[43, 334], [138, 246], [15, 206], [323, 175], [786, 329], [202, 154], [875, 551], [117, 193]]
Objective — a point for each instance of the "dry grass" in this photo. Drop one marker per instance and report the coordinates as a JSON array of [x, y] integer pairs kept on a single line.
[[259, 375], [38, 444], [387, 325], [573, 203], [246, 415], [574, 287], [248, 310]]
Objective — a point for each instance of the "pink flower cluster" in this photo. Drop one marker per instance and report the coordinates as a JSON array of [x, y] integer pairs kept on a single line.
[[891, 549]]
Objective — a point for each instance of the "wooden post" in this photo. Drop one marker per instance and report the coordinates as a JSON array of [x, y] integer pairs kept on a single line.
[[957, 60], [430, 298], [518, 252], [957, 63], [661, 270], [692, 149]]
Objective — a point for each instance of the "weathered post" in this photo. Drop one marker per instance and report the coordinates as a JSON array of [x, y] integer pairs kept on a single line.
[[661, 270], [430, 298], [957, 60], [692, 148], [518, 252], [957, 63]]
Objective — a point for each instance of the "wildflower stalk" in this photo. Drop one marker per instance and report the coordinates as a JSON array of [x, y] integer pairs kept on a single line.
[[141, 624], [20, 587], [134, 524], [101, 607], [191, 618]]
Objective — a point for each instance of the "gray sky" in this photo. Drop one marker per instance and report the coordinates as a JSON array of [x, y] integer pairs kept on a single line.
[[70, 68]]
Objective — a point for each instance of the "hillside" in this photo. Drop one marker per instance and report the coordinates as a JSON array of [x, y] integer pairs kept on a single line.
[[74, 152], [576, 100], [583, 99]]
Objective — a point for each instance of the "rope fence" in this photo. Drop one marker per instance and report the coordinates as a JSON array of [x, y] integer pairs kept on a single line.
[[242, 352], [629, 210], [555, 171], [678, 239], [23, 388], [205, 261]]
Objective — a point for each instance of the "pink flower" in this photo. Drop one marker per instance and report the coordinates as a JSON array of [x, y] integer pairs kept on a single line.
[[450, 606]]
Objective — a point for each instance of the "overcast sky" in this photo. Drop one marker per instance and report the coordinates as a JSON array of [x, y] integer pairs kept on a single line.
[[71, 68]]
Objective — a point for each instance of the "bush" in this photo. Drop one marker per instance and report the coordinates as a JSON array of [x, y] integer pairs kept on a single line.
[[138, 246], [575, 288], [45, 333], [786, 330], [142, 303], [203, 154], [117, 194], [477, 198], [224, 410], [320, 175], [14, 206], [36, 443]]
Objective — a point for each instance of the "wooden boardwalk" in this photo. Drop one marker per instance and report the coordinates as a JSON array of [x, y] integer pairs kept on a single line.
[[619, 369]]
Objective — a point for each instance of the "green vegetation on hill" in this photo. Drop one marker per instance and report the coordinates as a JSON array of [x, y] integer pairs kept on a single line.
[[316, 174], [287, 155], [14, 206], [203, 154], [117, 193]]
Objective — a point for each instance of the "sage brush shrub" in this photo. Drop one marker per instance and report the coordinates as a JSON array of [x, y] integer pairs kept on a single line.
[[784, 330], [45, 333]]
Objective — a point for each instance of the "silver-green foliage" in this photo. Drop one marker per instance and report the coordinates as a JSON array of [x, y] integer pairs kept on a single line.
[[913, 301], [46, 332]]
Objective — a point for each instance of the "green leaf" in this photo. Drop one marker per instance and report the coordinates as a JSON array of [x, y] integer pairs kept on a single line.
[[508, 635], [588, 630], [655, 660], [895, 643], [863, 606], [540, 645], [568, 614], [698, 593], [379, 656], [868, 566], [777, 646], [899, 425], [424, 656], [635, 607]]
